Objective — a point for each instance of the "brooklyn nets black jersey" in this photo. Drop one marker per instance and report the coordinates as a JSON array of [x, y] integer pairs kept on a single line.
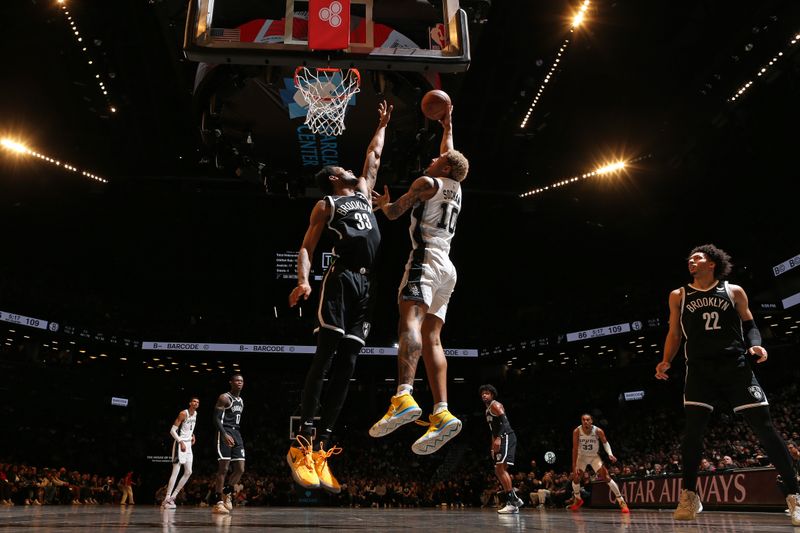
[[232, 415], [711, 325], [356, 230], [498, 424]]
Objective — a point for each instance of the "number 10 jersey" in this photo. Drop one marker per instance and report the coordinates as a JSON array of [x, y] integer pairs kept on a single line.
[[433, 222]]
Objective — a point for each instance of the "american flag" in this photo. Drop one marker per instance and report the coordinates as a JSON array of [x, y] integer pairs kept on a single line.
[[224, 35]]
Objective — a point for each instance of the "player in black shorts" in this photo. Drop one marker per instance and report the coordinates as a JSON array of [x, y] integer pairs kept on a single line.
[[504, 446], [720, 333], [230, 447], [343, 324]]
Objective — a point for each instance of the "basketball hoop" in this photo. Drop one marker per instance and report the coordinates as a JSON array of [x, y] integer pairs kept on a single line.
[[327, 91]]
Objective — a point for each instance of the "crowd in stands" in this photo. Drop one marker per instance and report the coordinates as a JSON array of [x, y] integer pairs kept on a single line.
[[388, 475], [31, 485]]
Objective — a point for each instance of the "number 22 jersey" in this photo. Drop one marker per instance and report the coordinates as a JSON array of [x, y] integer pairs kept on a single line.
[[711, 324]]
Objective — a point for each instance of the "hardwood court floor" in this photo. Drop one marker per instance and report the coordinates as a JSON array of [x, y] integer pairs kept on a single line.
[[97, 519]]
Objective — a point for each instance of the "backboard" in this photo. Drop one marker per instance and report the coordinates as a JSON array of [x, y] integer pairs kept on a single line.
[[404, 35]]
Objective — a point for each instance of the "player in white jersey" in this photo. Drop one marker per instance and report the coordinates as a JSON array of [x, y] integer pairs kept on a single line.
[[428, 282], [182, 432], [586, 440]]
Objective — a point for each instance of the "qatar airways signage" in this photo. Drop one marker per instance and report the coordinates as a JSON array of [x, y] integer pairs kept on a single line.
[[752, 487]]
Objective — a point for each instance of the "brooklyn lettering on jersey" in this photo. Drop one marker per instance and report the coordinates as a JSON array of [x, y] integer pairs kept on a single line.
[[351, 205], [708, 301]]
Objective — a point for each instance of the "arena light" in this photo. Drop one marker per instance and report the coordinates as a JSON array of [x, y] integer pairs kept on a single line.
[[613, 167], [14, 146], [576, 21], [73, 26], [604, 170], [581, 14], [764, 69], [19, 148]]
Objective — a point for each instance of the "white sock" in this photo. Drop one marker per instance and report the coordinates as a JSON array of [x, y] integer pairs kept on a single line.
[[187, 472], [614, 488], [576, 489], [439, 407], [405, 388]]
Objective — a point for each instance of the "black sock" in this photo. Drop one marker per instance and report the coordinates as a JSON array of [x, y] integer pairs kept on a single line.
[[322, 439], [307, 432]]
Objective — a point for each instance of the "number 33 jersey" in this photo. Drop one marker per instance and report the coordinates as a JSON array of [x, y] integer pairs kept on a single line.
[[711, 324], [356, 230], [433, 222]]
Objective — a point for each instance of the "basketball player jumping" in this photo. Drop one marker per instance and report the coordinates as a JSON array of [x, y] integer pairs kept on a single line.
[[182, 432], [586, 440], [342, 312], [720, 333], [230, 446], [425, 290], [504, 447]]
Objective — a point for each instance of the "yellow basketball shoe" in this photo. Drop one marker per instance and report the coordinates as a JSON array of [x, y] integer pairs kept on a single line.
[[402, 410], [442, 427], [326, 479], [301, 463]]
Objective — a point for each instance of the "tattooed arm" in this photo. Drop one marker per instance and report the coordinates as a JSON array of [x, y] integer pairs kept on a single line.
[[422, 189]]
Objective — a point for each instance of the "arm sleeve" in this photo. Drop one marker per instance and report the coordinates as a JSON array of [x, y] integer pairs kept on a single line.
[[607, 448], [218, 412], [752, 337], [174, 432]]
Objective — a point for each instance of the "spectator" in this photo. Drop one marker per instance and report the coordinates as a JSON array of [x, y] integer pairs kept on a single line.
[[126, 489]]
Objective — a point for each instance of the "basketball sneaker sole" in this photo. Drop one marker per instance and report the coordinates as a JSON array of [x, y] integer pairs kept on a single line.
[[431, 443], [384, 427]]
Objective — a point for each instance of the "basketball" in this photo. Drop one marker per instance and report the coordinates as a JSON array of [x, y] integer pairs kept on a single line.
[[435, 104]]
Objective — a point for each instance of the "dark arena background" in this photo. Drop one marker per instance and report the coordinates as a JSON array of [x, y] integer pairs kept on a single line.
[[156, 181]]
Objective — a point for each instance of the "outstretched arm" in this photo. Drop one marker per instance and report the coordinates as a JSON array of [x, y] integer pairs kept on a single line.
[[447, 134], [422, 189], [673, 341], [319, 217], [375, 149]]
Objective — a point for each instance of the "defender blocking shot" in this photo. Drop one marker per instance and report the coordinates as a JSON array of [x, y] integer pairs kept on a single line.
[[343, 325]]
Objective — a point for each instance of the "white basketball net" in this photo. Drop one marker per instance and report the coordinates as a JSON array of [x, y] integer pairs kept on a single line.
[[327, 91]]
